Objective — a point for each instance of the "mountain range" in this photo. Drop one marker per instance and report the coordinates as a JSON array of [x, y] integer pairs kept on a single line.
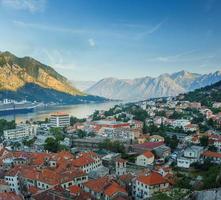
[[27, 78], [149, 87]]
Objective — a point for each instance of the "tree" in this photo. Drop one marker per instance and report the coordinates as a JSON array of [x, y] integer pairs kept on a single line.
[[51, 145], [81, 133], [29, 143], [74, 120], [4, 125], [58, 133], [204, 140], [114, 146], [161, 196]]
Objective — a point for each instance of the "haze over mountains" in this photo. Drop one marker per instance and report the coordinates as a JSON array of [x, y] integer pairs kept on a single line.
[[149, 87]]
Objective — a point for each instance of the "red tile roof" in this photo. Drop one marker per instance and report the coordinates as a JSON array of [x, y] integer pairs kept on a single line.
[[148, 154], [59, 114], [85, 158], [113, 189], [212, 154], [99, 184], [149, 145], [74, 190], [9, 196], [153, 178], [33, 189]]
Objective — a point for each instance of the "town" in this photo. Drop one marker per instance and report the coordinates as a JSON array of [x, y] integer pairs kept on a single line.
[[164, 148]]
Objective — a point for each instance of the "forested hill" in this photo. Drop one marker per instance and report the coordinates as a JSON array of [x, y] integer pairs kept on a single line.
[[206, 95]]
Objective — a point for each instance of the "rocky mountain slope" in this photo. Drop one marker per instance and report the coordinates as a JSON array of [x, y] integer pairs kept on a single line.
[[148, 87], [26, 78], [16, 72]]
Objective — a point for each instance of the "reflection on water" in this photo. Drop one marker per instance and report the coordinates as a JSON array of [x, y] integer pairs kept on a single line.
[[79, 111]]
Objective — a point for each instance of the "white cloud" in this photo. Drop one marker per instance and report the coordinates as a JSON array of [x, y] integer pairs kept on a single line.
[[48, 28], [151, 30], [92, 42], [29, 5]]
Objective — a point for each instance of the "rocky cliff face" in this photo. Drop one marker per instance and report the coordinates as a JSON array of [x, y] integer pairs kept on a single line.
[[16, 72], [148, 87]]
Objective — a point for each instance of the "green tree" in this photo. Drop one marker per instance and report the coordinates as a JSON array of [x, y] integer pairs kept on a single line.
[[161, 196], [57, 133], [81, 133], [204, 140], [51, 145], [4, 125]]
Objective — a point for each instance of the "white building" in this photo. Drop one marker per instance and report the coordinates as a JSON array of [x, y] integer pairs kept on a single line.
[[20, 132], [121, 167], [59, 119], [191, 154], [183, 162], [191, 127], [180, 123], [146, 185], [217, 105], [12, 179], [88, 161], [145, 159]]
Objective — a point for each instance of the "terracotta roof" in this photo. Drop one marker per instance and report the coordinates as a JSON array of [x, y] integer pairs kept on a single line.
[[59, 114], [212, 154], [113, 189], [85, 158], [99, 184], [148, 154], [153, 178], [51, 176], [149, 145], [33, 189], [13, 171], [126, 177], [74, 189], [9, 196]]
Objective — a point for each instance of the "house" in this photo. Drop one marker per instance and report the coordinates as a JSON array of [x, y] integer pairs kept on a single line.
[[87, 161], [146, 146], [217, 144], [162, 151], [10, 196], [217, 105], [191, 154], [114, 190], [12, 179], [142, 139], [20, 132], [180, 123], [146, 185], [145, 159], [191, 127], [214, 157], [156, 138], [96, 187], [4, 187], [195, 105], [120, 166], [183, 162]]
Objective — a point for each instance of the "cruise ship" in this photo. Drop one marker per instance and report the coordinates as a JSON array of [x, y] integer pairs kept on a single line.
[[8, 107]]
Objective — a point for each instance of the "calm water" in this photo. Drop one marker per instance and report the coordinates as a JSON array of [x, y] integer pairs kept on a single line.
[[79, 111]]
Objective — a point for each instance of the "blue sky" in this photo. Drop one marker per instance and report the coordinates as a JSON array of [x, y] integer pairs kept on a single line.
[[93, 39]]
